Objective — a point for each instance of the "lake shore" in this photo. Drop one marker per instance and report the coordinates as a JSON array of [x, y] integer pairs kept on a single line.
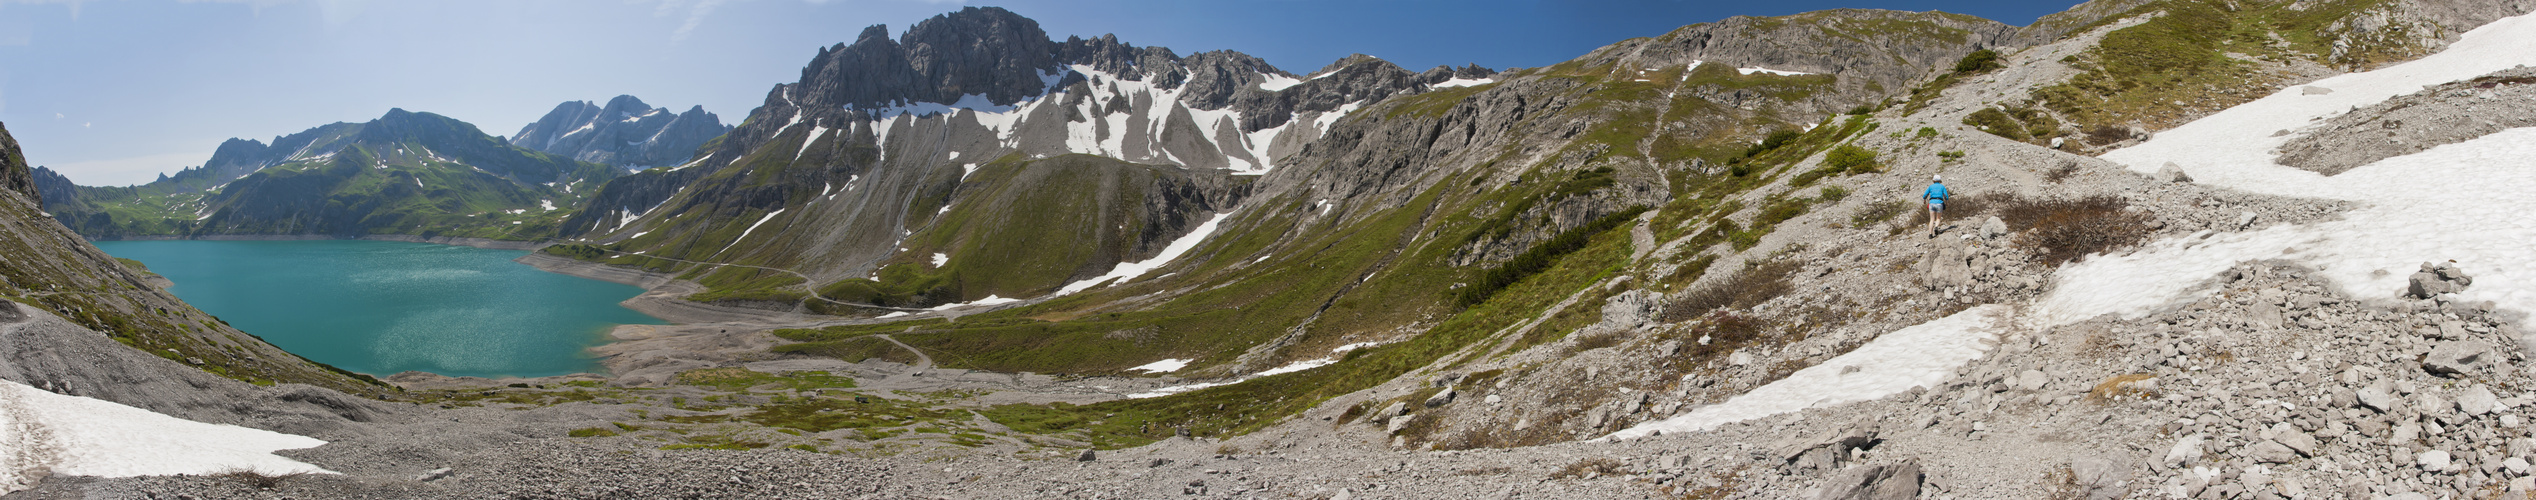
[[484, 243]]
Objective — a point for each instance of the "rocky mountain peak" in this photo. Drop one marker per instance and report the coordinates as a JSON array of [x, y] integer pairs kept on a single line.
[[1108, 55], [1444, 73], [626, 133], [976, 51], [1214, 77]]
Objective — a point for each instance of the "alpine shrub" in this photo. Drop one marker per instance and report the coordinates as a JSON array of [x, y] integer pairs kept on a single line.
[[1539, 258]]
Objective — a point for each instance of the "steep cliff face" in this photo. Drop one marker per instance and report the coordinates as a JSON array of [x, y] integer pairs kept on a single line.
[[625, 133], [66, 283], [14, 173]]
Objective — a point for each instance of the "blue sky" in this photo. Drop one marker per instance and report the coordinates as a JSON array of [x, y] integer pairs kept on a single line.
[[114, 92]]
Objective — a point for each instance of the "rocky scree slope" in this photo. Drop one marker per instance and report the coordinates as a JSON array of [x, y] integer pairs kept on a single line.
[[405, 173], [625, 133], [2444, 114]]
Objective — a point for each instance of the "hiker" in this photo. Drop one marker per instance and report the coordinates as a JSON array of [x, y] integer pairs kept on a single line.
[[1936, 198]]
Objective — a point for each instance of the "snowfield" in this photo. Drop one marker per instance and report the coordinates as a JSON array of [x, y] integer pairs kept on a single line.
[[2465, 201], [1919, 356], [1128, 271], [78, 436]]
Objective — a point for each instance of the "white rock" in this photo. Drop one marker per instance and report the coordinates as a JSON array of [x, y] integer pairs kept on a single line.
[[2516, 465], [2434, 461], [2477, 401], [2379, 395], [2032, 380], [1493, 399], [2185, 452]]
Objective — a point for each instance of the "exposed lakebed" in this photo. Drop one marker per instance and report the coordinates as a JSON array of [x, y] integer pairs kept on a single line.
[[381, 307]]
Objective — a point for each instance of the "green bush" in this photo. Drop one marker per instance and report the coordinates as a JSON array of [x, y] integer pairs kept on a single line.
[[1851, 159], [1777, 138], [1978, 61], [1997, 123], [1878, 212], [1832, 194], [1781, 211], [1756, 283], [1539, 258]]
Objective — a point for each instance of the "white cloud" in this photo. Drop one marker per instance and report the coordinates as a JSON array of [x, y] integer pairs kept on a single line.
[[87, 125], [127, 171], [698, 10], [695, 17], [74, 4]]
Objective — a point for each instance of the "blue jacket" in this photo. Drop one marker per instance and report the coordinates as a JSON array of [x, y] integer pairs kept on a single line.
[[1936, 191]]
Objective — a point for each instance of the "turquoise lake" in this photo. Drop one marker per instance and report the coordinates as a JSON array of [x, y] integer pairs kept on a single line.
[[383, 307]]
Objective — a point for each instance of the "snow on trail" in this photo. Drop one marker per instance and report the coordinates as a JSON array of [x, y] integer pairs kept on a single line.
[[1289, 368], [990, 300], [1918, 356], [77, 436], [1130, 270], [2465, 201]]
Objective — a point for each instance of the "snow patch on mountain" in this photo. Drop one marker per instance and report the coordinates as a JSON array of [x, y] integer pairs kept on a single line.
[[751, 229], [1919, 356], [1127, 271], [79, 436]]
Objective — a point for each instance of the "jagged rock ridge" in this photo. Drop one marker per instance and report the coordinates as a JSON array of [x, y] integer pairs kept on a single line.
[[875, 125], [625, 133]]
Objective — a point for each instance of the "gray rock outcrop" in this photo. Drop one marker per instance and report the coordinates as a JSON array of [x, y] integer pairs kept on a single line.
[[1875, 482]]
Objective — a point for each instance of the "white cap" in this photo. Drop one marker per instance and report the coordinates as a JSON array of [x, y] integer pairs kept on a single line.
[[1937, 178]]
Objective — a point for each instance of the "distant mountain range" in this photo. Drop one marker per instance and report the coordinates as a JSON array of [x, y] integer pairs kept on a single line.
[[427, 175], [404, 173], [625, 133]]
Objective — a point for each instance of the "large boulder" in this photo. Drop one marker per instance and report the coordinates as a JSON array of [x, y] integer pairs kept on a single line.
[[1947, 265], [2456, 358], [1877, 482], [2435, 279], [2103, 479], [1994, 228], [2172, 173]]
